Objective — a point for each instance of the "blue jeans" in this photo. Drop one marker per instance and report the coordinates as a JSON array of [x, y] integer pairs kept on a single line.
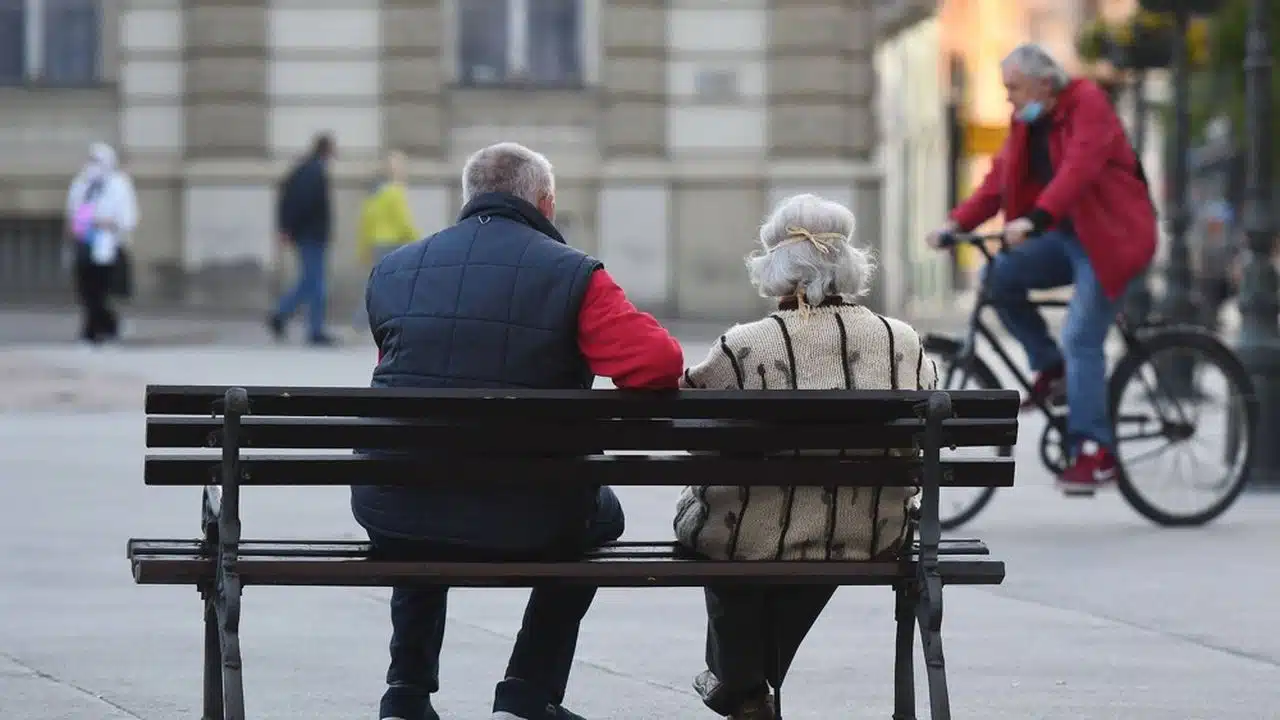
[[538, 671], [310, 288], [1051, 260]]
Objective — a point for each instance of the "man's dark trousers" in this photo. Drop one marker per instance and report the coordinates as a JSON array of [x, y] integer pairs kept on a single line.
[[538, 671]]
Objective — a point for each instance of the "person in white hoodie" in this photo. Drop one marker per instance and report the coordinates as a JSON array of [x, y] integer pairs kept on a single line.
[[101, 212]]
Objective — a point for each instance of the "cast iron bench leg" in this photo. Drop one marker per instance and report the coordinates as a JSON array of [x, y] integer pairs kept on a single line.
[[929, 614], [229, 627], [227, 598], [904, 676], [928, 582], [213, 707]]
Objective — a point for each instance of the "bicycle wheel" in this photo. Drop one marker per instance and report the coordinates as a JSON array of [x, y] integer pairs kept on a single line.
[[1159, 416], [957, 506]]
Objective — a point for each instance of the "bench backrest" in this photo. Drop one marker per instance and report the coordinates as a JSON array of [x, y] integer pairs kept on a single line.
[[503, 436]]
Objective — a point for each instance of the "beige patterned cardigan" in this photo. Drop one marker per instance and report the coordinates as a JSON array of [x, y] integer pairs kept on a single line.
[[834, 346]]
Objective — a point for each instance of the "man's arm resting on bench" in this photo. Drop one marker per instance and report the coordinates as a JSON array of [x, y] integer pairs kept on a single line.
[[624, 344]]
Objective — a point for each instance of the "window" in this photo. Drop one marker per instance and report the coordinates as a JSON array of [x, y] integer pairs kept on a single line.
[[50, 42], [520, 42]]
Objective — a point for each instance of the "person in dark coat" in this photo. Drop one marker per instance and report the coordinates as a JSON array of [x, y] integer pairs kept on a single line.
[[304, 219], [499, 300], [1078, 212]]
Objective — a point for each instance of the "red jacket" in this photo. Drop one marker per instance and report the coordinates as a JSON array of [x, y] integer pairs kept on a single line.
[[623, 344], [1096, 185]]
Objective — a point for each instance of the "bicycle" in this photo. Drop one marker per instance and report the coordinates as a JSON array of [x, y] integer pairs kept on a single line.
[[1151, 346]]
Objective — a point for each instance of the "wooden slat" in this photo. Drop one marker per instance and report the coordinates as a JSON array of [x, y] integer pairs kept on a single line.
[[546, 437], [140, 548], [842, 406], [616, 470], [172, 570]]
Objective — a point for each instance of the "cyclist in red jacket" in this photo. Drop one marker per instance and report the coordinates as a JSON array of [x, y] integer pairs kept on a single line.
[[1077, 211]]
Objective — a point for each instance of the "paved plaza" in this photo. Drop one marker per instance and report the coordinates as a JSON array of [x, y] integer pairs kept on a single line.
[[1102, 615]]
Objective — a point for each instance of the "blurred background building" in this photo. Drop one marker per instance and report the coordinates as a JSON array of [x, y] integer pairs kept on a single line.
[[674, 124]]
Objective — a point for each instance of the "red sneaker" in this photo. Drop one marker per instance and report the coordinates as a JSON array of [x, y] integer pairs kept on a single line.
[[1094, 467], [1050, 387]]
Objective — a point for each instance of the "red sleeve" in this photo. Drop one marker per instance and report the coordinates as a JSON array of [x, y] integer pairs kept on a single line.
[[1090, 146], [985, 202], [624, 344]]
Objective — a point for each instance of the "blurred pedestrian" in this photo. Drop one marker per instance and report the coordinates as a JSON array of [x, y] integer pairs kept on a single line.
[[1217, 254], [304, 220], [101, 212], [386, 222]]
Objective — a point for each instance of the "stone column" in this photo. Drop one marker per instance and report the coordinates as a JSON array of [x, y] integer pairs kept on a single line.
[[146, 39], [226, 79], [633, 89], [634, 204], [822, 123], [414, 70], [227, 198], [413, 77]]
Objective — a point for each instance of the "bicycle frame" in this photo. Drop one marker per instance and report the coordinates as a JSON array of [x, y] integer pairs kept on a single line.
[[978, 327]]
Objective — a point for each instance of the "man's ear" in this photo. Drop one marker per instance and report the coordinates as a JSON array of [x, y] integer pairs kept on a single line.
[[547, 206]]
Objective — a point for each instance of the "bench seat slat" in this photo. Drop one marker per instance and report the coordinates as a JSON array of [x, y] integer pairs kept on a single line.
[[347, 563], [349, 549], [578, 405], [355, 572], [617, 470], [574, 439]]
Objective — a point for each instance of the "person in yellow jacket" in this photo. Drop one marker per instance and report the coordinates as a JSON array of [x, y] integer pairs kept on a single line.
[[386, 223]]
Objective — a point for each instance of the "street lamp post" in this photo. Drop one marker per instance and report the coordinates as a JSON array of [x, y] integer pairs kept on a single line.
[[1177, 305], [1259, 297], [1137, 300]]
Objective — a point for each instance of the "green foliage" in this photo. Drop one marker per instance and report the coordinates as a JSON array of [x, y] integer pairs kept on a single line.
[[1094, 41], [1226, 94]]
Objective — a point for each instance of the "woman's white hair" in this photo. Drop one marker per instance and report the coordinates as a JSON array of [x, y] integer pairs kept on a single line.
[[510, 168], [809, 251], [1034, 61]]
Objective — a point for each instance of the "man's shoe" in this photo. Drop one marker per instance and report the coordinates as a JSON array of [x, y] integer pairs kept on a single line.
[[759, 708], [276, 326], [516, 699], [400, 703], [322, 341], [1049, 388], [1094, 467]]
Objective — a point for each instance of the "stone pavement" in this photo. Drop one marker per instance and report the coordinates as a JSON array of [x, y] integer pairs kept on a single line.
[[1102, 615]]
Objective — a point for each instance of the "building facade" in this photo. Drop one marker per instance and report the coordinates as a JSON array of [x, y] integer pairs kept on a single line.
[[673, 125]]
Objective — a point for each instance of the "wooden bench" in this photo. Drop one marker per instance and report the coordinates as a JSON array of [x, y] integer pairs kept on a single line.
[[731, 431]]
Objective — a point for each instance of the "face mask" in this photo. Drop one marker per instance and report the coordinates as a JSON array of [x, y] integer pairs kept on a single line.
[[1031, 111]]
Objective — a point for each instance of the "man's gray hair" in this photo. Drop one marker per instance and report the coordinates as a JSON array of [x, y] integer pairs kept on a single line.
[[510, 168], [1034, 61], [809, 250]]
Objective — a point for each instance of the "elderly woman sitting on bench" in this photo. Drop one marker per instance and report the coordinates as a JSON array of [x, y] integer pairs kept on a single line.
[[819, 338]]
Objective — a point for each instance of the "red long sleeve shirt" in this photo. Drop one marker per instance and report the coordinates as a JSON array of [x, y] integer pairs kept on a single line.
[[623, 344]]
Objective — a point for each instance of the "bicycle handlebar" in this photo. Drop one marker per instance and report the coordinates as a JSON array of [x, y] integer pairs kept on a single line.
[[952, 239]]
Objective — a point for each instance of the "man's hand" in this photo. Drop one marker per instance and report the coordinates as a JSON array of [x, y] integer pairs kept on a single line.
[[1018, 230], [935, 238]]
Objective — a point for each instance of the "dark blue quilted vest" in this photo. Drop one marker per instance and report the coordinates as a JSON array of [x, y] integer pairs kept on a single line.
[[491, 302]]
